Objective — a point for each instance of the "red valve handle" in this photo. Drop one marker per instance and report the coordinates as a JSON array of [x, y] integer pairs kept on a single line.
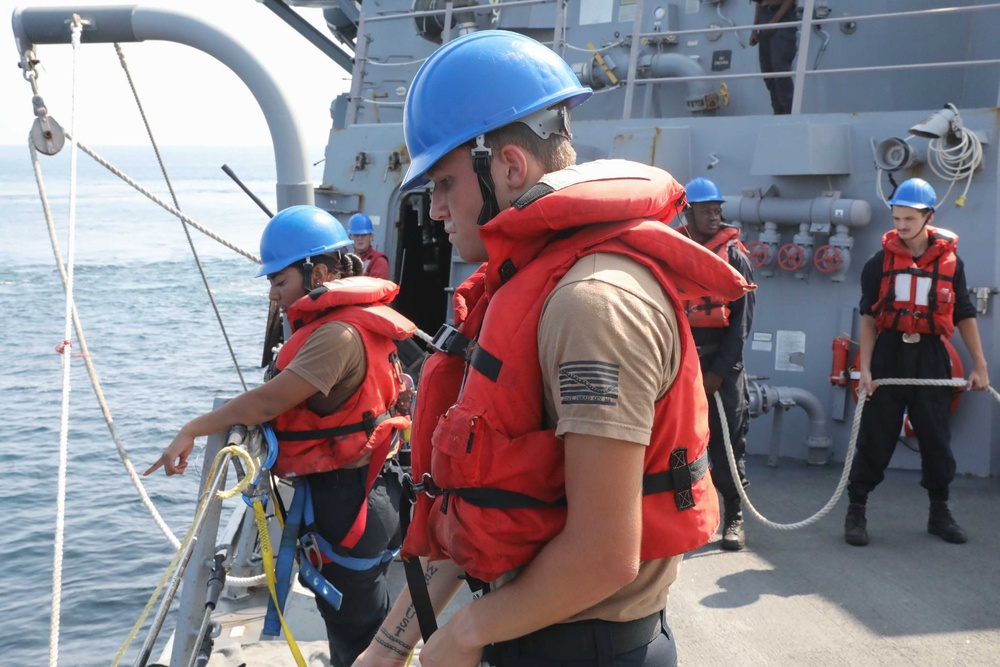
[[791, 257], [827, 259], [758, 254]]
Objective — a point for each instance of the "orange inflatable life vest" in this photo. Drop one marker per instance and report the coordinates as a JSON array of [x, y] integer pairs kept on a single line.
[[369, 258], [310, 443], [918, 295], [713, 311], [496, 471]]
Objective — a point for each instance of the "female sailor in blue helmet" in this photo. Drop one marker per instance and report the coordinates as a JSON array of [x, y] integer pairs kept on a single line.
[[332, 406]]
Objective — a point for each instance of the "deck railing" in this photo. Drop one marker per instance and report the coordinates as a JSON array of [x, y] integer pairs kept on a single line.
[[559, 44]]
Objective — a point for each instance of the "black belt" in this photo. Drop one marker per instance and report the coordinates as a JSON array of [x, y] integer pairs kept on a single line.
[[579, 640]]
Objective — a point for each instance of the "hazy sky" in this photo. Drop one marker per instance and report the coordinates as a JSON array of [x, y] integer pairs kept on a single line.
[[189, 97]]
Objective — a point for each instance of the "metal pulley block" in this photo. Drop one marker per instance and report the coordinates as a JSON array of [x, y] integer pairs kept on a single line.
[[47, 135]]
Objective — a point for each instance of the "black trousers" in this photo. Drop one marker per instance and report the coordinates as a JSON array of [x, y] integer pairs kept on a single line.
[[661, 652], [927, 407], [776, 53], [337, 497], [736, 405]]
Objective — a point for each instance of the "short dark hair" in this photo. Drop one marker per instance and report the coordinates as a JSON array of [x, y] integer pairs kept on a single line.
[[553, 154]]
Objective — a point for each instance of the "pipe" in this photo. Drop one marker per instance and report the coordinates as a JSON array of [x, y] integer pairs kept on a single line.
[[763, 397], [663, 65], [658, 66], [47, 25], [755, 209]]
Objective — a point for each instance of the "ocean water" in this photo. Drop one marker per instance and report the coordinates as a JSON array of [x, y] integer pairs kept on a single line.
[[161, 360]]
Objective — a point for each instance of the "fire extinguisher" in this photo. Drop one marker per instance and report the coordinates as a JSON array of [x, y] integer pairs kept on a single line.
[[838, 373]]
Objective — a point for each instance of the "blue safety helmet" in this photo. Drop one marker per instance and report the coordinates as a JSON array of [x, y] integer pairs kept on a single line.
[[359, 224], [915, 193], [702, 190], [298, 232], [477, 83]]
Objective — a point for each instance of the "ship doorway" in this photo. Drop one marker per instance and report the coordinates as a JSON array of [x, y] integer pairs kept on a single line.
[[423, 264]]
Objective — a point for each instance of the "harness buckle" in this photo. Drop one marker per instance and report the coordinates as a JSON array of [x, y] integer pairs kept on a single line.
[[311, 551], [426, 486], [444, 338]]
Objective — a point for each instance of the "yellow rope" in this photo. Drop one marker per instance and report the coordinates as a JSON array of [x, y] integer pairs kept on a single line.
[[265, 550], [159, 588], [202, 505]]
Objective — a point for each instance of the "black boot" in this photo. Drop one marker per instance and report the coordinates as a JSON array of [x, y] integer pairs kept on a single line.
[[733, 538], [856, 526], [942, 523]]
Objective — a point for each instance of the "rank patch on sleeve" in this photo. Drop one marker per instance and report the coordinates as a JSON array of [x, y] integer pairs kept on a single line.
[[588, 382]]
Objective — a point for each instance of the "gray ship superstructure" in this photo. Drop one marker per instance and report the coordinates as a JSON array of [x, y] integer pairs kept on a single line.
[[884, 91]]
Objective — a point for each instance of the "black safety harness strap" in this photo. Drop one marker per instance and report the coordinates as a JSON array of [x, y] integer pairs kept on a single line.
[[679, 479], [450, 340], [415, 580], [367, 425]]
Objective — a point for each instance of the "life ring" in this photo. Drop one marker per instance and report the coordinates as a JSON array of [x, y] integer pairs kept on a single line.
[[957, 372]]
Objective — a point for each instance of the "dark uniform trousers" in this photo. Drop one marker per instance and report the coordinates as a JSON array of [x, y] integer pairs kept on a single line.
[[735, 403], [337, 496], [776, 53], [661, 652], [927, 407]]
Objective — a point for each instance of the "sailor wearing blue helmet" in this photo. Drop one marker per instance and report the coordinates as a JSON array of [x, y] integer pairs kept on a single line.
[[546, 453]]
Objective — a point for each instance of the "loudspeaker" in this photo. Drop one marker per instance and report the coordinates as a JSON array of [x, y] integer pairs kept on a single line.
[[894, 154]]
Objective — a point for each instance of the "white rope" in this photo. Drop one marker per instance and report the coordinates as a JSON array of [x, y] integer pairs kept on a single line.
[[91, 370], [66, 349], [848, 457], [382, 63], [953, 163], [170, 209]]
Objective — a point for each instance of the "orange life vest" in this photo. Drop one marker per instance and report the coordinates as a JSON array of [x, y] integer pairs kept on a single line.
[[713, 311], [370, 257], [496, 470], [310, 443], [917, 295]]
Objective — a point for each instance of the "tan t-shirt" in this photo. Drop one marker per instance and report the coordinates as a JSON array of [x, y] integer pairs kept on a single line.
[[608, 349], [332, 360]]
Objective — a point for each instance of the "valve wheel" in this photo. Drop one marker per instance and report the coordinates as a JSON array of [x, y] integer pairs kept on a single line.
[[791, 257], [827, 259], [758, 254]]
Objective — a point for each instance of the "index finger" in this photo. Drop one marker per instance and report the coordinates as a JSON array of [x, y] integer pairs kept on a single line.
[[153, 468]]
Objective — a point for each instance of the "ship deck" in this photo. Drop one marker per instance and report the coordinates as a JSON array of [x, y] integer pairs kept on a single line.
[[804, 597]]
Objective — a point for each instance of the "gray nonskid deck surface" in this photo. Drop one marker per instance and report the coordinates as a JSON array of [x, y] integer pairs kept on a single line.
[[805, 597]]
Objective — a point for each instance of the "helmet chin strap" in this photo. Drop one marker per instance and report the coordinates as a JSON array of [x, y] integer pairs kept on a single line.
[[482, 159], [307, 270], [544, 122]]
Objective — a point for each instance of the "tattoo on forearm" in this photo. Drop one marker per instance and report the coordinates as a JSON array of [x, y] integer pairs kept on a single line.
[[394, 643], [391, 647]]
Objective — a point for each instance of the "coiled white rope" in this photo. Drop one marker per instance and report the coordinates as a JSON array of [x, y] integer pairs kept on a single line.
[[66, 349], [848, 457], [952, 163]]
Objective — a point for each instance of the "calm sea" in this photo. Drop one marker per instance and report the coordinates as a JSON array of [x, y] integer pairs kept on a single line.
[[161, 360]]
